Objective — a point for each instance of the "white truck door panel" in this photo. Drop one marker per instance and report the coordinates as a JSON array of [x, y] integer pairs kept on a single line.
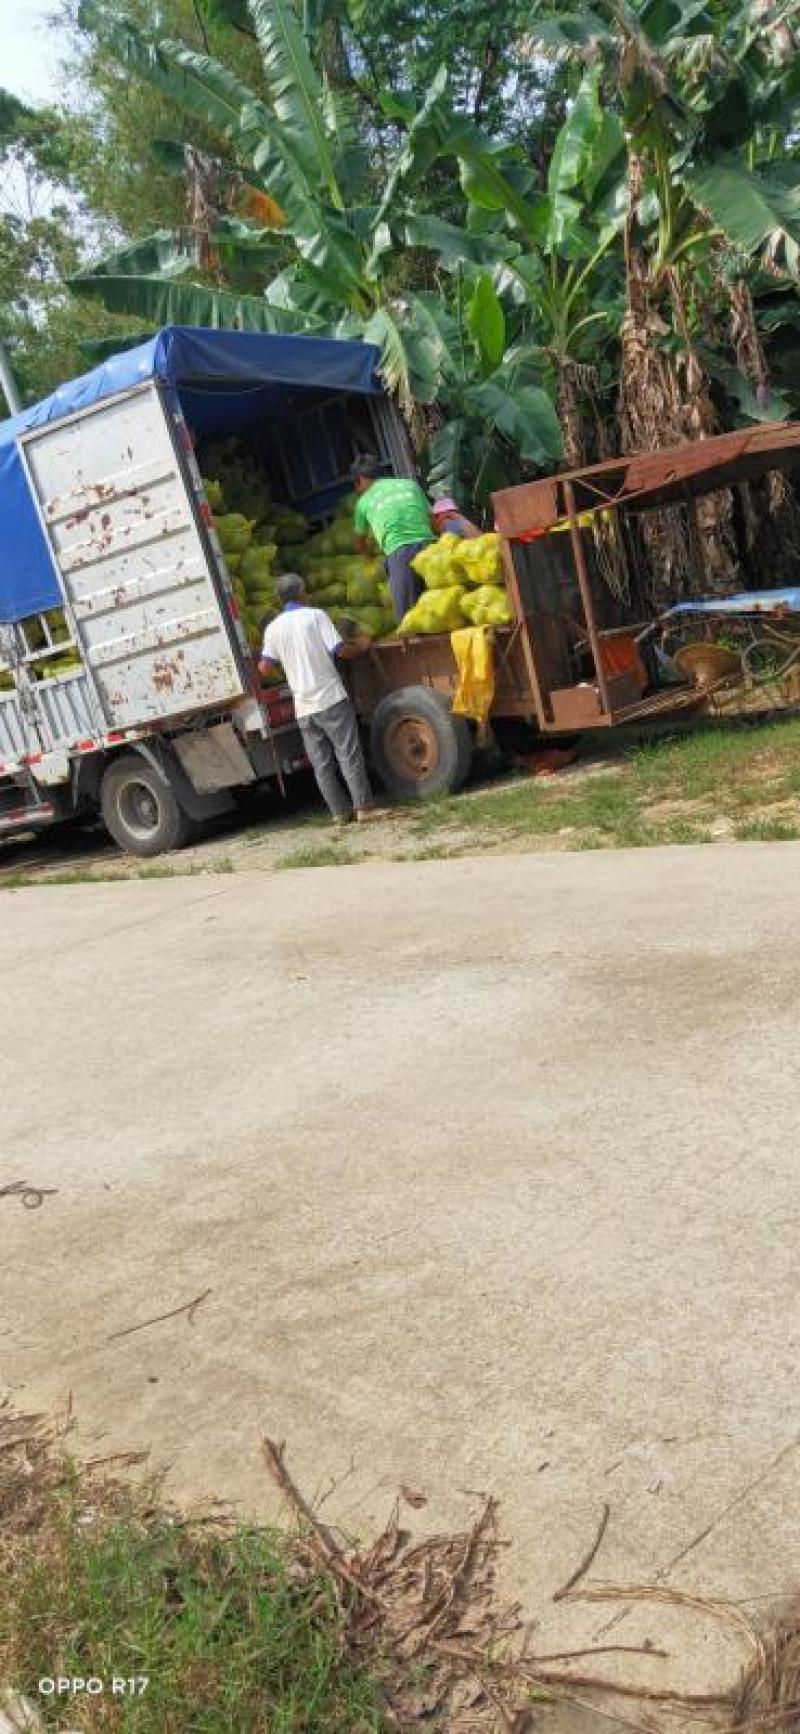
[[118, 513]]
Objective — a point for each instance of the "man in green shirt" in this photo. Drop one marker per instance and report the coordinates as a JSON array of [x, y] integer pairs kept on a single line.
[[394, 512]]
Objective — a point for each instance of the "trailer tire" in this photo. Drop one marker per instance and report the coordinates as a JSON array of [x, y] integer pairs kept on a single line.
[[140, 810], [419, 749]]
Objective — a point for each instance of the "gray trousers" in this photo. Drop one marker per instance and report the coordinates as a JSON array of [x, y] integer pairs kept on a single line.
[[404, 584], [332, 742]]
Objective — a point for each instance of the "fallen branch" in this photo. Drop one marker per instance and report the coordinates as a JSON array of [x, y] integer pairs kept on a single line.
[[129, 1458], [712, 1607], [596, 1683], [189, 1308], [503, 1678], [581, 1570], [603, 1650], [321, 1535], [436, 1612]]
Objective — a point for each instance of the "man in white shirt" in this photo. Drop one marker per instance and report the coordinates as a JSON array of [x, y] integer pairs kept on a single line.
[[305, 643]]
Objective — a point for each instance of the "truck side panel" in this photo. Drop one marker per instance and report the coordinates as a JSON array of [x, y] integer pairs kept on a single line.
[[119, 518]]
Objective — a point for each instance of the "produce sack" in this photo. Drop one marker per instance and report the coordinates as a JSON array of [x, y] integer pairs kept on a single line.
[[436, 564], [361, 588], [374, 620], [436, 611], [487, 606], [478, 559], [260, 600], [257, 563], [332, 596], [289, 527], [235, 531]]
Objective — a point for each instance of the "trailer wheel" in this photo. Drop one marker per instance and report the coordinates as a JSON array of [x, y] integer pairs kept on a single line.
[[142, 812], [419, 748]]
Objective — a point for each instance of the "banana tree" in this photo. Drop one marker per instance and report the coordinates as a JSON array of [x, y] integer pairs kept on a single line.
[[702, 101], [496, 421], [331, 259]]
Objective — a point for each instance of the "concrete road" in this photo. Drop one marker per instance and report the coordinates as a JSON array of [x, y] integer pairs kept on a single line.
[[491, 1167]]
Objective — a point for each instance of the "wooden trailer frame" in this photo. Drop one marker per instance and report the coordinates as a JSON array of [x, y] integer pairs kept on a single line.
[[535, 657]]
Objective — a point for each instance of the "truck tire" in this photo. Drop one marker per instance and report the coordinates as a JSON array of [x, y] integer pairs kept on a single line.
[[140, 810], [419, 749]]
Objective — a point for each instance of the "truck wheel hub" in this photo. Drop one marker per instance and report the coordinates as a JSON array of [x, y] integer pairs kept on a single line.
[[139, 807], [412, 747]]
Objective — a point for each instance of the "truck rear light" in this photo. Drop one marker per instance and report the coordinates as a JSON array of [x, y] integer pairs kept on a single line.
[[206, 513], [280, 713]]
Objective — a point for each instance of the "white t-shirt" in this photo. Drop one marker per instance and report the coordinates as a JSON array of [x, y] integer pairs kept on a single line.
[[303, 641]]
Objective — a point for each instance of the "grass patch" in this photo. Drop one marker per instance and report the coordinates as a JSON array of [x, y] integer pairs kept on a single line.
[[603, 803], [232, 1637], [721, 770], [235, 1629], [110, 876], [711, 759], [680, 831], [324, 855], [437, 852], [766, 830]]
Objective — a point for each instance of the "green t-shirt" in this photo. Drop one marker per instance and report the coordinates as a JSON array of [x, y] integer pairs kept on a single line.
[[396, 512]]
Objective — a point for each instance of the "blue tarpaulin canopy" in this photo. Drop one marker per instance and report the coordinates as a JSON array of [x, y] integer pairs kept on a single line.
[[227, 381]]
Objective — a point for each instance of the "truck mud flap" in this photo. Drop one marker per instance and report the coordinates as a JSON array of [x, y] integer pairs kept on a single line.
[[197, 806]]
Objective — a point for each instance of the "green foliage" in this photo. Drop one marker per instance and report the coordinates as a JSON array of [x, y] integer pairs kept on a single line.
[[485, 233], [40, 245], [486, 323], [220, 1619]]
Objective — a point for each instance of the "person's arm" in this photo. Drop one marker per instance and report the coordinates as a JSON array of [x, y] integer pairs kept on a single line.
[[267, 662], [348, 641], [355, 646], [364, 540]]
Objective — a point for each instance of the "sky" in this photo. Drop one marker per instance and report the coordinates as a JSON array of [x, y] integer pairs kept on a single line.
[[27, 57]]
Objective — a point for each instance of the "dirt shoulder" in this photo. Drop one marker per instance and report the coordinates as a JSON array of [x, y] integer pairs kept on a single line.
[[719, 783]]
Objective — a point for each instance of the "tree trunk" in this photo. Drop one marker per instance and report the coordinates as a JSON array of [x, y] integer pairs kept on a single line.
[[649, 401], [569, 414], [333, 55], [748, 348], [772, 515]]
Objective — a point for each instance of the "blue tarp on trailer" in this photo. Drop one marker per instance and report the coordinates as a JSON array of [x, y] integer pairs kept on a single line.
[[226, 380]]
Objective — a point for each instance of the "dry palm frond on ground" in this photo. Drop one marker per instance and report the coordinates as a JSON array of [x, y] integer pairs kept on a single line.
[[401, 1633]]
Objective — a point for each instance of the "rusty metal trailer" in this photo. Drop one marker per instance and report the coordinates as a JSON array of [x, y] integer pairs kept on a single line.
[[572, 661]]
